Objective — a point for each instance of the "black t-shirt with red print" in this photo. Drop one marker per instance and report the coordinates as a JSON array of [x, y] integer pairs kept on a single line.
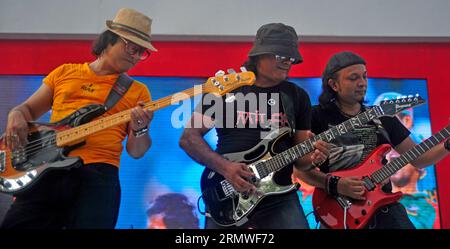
[[246, 115]]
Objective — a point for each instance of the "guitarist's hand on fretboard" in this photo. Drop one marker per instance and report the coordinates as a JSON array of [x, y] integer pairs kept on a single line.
[[140, 118]]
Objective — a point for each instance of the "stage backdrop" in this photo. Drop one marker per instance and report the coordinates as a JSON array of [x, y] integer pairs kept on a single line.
[[425, 61], [167, 169]]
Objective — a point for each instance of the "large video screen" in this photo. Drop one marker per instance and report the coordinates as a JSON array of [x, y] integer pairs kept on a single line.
[[166, 182]]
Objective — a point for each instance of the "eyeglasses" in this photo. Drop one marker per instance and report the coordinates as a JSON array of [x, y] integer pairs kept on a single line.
[[280, 58], [133, 49]]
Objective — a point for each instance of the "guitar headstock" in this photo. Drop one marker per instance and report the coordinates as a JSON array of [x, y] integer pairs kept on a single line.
[[393, 106], [222, 84]]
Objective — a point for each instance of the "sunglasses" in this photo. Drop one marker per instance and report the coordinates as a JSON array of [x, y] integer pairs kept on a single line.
[[280, 58], [132, 49]]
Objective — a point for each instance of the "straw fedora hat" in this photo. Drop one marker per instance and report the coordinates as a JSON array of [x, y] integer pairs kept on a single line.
[[132, 25]]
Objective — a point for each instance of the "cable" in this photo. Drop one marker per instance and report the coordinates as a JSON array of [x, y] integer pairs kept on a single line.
[[198, 205], [345, 217]]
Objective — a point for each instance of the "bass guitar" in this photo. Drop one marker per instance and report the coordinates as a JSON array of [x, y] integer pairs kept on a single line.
[[49, 144], [341, 212], [227, 207]]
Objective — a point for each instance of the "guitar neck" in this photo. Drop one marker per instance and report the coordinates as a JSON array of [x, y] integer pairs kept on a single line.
[[78, 133], [395, 165], [290, 155]]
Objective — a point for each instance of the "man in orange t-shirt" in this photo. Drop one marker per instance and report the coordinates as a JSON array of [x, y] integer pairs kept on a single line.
[[86, 196]]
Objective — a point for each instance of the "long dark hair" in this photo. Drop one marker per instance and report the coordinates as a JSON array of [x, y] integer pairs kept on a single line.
[[103, 40], [250, 64], [328, 95]]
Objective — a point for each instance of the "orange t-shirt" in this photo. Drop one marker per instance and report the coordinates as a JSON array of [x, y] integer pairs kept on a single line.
[[75, 86]]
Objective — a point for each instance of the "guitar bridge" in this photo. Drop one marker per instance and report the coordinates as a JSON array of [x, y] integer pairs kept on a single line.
[[343, 202], [2, 160]]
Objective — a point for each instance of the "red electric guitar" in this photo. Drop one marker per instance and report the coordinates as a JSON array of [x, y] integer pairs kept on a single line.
[[343, 212]]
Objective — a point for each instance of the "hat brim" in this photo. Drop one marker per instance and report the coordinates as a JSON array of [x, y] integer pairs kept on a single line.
[[129, 36]]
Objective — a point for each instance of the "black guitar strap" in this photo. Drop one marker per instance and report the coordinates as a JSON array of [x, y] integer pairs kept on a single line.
[[288, 95], [119, 89]]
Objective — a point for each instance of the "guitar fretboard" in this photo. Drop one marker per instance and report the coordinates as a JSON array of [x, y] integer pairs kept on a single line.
[[392, 167], [66, 137], [290, 155]]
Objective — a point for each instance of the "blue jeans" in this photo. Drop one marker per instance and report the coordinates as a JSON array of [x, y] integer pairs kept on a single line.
[[85, 197], [273, 212]]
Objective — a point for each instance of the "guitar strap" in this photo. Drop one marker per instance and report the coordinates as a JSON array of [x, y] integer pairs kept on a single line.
[[288, 95], [119, 89]]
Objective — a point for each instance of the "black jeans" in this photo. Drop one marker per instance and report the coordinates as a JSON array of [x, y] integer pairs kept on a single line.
[[84, 197], [273, 212], [392, 216]]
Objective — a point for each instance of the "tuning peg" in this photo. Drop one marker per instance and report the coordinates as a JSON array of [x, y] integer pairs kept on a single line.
[[215, 82], [231, 70], [243, 69], [220, 73]]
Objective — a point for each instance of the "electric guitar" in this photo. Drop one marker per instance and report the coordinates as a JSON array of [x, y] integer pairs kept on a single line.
[[343, 212], [49, 144], [227, 207]]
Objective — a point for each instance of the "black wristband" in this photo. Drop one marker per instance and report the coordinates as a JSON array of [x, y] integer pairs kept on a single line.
[[447, 144], [327, 183], [332, 185]]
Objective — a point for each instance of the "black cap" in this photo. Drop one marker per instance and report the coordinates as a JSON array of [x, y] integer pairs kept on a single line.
[[276, 38], [339, 61]]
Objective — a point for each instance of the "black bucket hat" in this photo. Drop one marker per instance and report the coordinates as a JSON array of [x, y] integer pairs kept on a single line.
[[276, 38], [339, 61]]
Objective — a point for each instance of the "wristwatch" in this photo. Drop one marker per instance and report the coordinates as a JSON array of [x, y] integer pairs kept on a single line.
[[140, 132]]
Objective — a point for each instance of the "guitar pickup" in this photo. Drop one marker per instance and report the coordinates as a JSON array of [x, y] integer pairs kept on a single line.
[[2, 161], [227, 188], [368, 183]]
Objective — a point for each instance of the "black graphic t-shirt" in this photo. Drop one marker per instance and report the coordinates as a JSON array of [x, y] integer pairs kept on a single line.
[[246, 115], [352, 148]]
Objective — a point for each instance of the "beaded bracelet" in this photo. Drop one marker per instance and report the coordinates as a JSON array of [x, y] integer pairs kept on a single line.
[[140, 132]]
